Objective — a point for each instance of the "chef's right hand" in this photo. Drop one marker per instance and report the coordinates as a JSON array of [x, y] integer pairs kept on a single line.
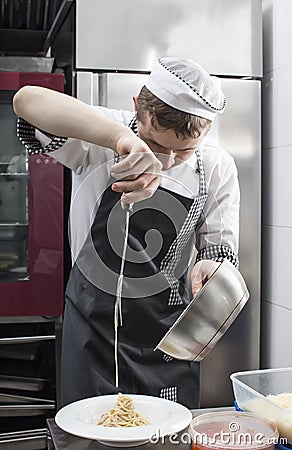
[[138, 173]]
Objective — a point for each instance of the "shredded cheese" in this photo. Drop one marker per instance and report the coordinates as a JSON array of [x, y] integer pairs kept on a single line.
[[281, 417]]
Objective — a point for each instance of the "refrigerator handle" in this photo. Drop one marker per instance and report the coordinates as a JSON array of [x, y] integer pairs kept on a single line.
[[88, 87], [103, 89]]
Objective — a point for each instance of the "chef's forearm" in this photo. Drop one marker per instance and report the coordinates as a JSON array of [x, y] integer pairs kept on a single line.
[[61, 115]]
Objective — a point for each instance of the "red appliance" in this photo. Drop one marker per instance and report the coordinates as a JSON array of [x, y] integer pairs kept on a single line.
[[31, 214]]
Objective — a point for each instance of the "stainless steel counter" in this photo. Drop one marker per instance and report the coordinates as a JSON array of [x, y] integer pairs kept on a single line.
[[59, 440]]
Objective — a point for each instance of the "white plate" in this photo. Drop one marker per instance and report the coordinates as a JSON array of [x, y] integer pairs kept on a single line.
[[166, 417]]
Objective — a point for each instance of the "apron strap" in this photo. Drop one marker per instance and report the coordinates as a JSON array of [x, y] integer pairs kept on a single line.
[[200, 169]]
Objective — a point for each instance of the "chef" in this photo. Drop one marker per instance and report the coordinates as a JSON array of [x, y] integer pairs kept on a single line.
[[180, 193]]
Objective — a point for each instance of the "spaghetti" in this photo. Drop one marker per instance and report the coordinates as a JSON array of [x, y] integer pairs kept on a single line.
[[123, 415], [118, 319]]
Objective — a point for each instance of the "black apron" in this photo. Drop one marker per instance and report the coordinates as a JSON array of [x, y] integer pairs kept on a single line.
[[155, 292]]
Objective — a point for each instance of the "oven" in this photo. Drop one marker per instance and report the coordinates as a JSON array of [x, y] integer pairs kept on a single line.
[[31, 214], [31, 276]]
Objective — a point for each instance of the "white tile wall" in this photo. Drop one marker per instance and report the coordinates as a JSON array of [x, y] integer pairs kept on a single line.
[[277, 275], [277, 336], [283, 33], [277, 101], [277, 187], [277, 16]]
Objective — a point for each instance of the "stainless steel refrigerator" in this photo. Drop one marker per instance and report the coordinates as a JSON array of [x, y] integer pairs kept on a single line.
[[116, 45]]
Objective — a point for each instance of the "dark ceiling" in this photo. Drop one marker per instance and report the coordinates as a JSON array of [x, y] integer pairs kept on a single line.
[[28, 27]]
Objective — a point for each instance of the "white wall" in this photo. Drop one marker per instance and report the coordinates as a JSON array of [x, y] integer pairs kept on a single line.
[[277, 185]]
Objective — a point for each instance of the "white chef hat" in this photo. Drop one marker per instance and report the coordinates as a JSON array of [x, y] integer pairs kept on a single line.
[[186, 86]]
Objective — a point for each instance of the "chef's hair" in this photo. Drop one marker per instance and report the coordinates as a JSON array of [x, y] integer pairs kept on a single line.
[[184, 125]]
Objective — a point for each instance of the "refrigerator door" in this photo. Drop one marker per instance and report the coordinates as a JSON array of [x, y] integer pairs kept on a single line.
[[121, 89], [114, 90], [131, 34], [238, 131]]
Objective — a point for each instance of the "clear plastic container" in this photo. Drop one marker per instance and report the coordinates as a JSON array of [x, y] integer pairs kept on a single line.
[[251, 389], [232, 431]]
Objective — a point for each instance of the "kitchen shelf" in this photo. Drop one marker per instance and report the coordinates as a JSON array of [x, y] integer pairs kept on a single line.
[[13, 231], [24, 440], [13, 224], [23, 383], [12, 400], [26, 339], [14, 174], [33, 409]]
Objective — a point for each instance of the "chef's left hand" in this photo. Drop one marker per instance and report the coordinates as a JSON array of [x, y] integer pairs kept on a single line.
[[201, 272]]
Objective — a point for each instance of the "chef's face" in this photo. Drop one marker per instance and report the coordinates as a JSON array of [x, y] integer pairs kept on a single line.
[[168, 148]]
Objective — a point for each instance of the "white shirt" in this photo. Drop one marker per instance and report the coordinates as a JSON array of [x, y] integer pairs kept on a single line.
[[90, 165]]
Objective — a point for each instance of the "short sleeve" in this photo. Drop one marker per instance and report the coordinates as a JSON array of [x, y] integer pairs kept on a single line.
[[217, 234]]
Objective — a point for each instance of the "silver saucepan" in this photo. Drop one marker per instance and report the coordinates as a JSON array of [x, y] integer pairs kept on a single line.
[[211, 312]]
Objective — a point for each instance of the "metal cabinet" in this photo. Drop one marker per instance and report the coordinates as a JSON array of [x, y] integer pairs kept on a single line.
[[29, 380]]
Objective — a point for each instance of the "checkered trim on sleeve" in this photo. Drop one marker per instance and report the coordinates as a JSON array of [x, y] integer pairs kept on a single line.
[[218, 253], [26, 134], [169, 393]]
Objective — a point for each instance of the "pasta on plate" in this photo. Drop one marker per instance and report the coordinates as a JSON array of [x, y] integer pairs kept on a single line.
[[123, 414]]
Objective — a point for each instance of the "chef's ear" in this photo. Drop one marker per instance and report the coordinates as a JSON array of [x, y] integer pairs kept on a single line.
[[135, 104]]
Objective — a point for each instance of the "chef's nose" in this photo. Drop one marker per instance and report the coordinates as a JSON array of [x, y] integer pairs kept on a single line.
[[167, 159], [170, 153]]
